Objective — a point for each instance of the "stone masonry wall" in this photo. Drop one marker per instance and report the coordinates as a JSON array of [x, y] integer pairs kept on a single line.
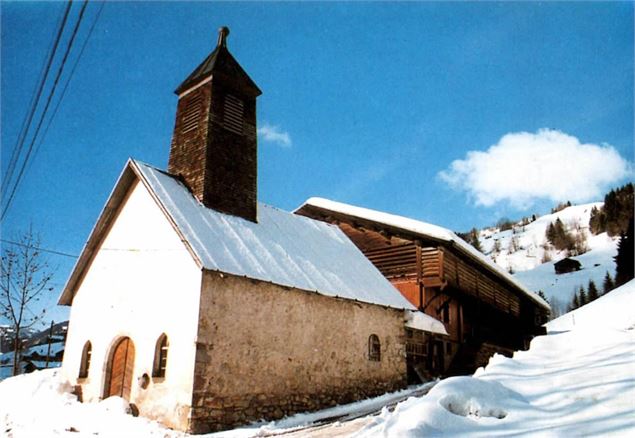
[[265, 351]]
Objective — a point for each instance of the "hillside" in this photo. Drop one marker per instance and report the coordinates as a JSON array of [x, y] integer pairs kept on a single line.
[[36, 349], [525, 252], [577, 380]]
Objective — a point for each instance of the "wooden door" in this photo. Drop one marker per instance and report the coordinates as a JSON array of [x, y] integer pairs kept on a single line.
[[121, 367]]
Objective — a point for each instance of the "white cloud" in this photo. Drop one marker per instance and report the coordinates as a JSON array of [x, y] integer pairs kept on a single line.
[[524, 167], [273, 134]]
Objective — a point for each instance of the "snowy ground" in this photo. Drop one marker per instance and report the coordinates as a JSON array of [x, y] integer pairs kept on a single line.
[[577, 380], [527, 260]]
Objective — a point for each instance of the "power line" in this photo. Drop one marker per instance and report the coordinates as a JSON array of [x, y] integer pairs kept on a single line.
[[70, 76], [17, 149], [40, 249], [43, 115]]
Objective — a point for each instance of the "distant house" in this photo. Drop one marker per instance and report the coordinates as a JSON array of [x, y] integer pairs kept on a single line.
[[567, 265], [207, 309]]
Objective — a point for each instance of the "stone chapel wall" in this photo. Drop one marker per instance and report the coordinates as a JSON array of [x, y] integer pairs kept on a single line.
[[265, 351]]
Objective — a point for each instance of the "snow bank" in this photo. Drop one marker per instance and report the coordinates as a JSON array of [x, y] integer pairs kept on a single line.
[[569, 383], [41, 404], [614, 309]]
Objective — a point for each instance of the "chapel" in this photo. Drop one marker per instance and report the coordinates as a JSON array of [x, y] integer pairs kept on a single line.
[[206, 309]]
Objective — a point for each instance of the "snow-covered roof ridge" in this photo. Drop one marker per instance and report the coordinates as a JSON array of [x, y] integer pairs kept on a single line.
[[424, 229], [281, 248]]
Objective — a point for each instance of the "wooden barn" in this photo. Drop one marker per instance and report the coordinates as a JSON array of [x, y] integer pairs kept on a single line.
[[567, 265], [483, 308]]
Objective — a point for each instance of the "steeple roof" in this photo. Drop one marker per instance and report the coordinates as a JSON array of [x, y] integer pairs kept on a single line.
[[222, 65]]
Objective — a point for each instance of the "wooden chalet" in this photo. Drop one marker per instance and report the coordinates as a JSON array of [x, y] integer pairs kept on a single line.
[[483, 308], [567, 265]]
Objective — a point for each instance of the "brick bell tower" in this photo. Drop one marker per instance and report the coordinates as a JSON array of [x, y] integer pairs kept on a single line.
[[214, 146]]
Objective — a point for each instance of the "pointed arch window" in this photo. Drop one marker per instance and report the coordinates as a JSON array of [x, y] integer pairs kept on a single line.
[[85, 362], [374, 348], [160, 356]]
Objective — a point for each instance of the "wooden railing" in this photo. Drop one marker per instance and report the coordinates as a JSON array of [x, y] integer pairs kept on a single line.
[[411, 261]]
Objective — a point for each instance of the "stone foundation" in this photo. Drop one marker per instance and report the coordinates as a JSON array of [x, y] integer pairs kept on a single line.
[[212, 414]]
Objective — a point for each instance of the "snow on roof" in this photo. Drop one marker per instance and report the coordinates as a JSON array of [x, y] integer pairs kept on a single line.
[[424, 229], [282, 248], [417, 320]]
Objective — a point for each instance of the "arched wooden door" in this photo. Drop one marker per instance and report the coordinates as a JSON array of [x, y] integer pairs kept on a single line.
[[121, 367]]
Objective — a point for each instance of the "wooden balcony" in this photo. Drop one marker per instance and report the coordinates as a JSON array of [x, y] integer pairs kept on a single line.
[[410, 261]]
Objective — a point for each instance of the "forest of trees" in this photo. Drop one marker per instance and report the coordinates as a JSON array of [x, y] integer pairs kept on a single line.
[[614, 216], [563, 239]]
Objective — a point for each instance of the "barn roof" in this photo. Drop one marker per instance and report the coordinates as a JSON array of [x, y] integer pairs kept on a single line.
[[426, 230], [282, 248]]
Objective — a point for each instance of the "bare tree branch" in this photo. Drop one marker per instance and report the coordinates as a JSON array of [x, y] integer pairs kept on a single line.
[[24, 277]]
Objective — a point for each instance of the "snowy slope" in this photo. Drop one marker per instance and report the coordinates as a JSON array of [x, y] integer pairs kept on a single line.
[[579, 380], [529, 263]]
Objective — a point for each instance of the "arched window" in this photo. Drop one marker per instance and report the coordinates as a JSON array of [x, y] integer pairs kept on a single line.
[[374, 348], [160, 356], [85, 363]]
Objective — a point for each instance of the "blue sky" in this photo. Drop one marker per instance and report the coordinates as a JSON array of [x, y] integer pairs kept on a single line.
[[374, 102]]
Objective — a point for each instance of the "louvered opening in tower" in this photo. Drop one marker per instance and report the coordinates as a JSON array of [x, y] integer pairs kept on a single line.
[[192, 114], [233, 114]]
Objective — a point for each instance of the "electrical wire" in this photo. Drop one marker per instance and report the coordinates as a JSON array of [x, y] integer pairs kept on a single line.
[[17, 149], [65, 254], [43, 115], [68, 81]]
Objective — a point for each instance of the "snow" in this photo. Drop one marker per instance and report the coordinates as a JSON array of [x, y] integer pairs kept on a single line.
[[282, 248], [531, 237], [528, 261], [577, 380], [42, 349], [41, 404], [418, 321], [614, 310], [424, 229]]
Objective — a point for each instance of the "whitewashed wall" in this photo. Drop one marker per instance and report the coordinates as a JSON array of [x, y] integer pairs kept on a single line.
[[141, 283]]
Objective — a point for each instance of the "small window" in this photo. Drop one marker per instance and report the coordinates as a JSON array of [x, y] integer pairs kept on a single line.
[[446, 313], [85, 363], [409, 333], [448, 348], [374, 348], [160, 357]]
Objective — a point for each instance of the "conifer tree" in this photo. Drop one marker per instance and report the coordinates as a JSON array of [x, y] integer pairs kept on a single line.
[[575, 303], [474, 241], [592, 294], [551, 233], [582, 299], [624, 260], [608, 284]]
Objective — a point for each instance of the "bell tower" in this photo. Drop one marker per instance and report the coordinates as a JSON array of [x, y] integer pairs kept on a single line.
[[214, 146]]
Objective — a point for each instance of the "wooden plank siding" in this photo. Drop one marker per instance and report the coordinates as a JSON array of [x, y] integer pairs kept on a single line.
[[461, 275]]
